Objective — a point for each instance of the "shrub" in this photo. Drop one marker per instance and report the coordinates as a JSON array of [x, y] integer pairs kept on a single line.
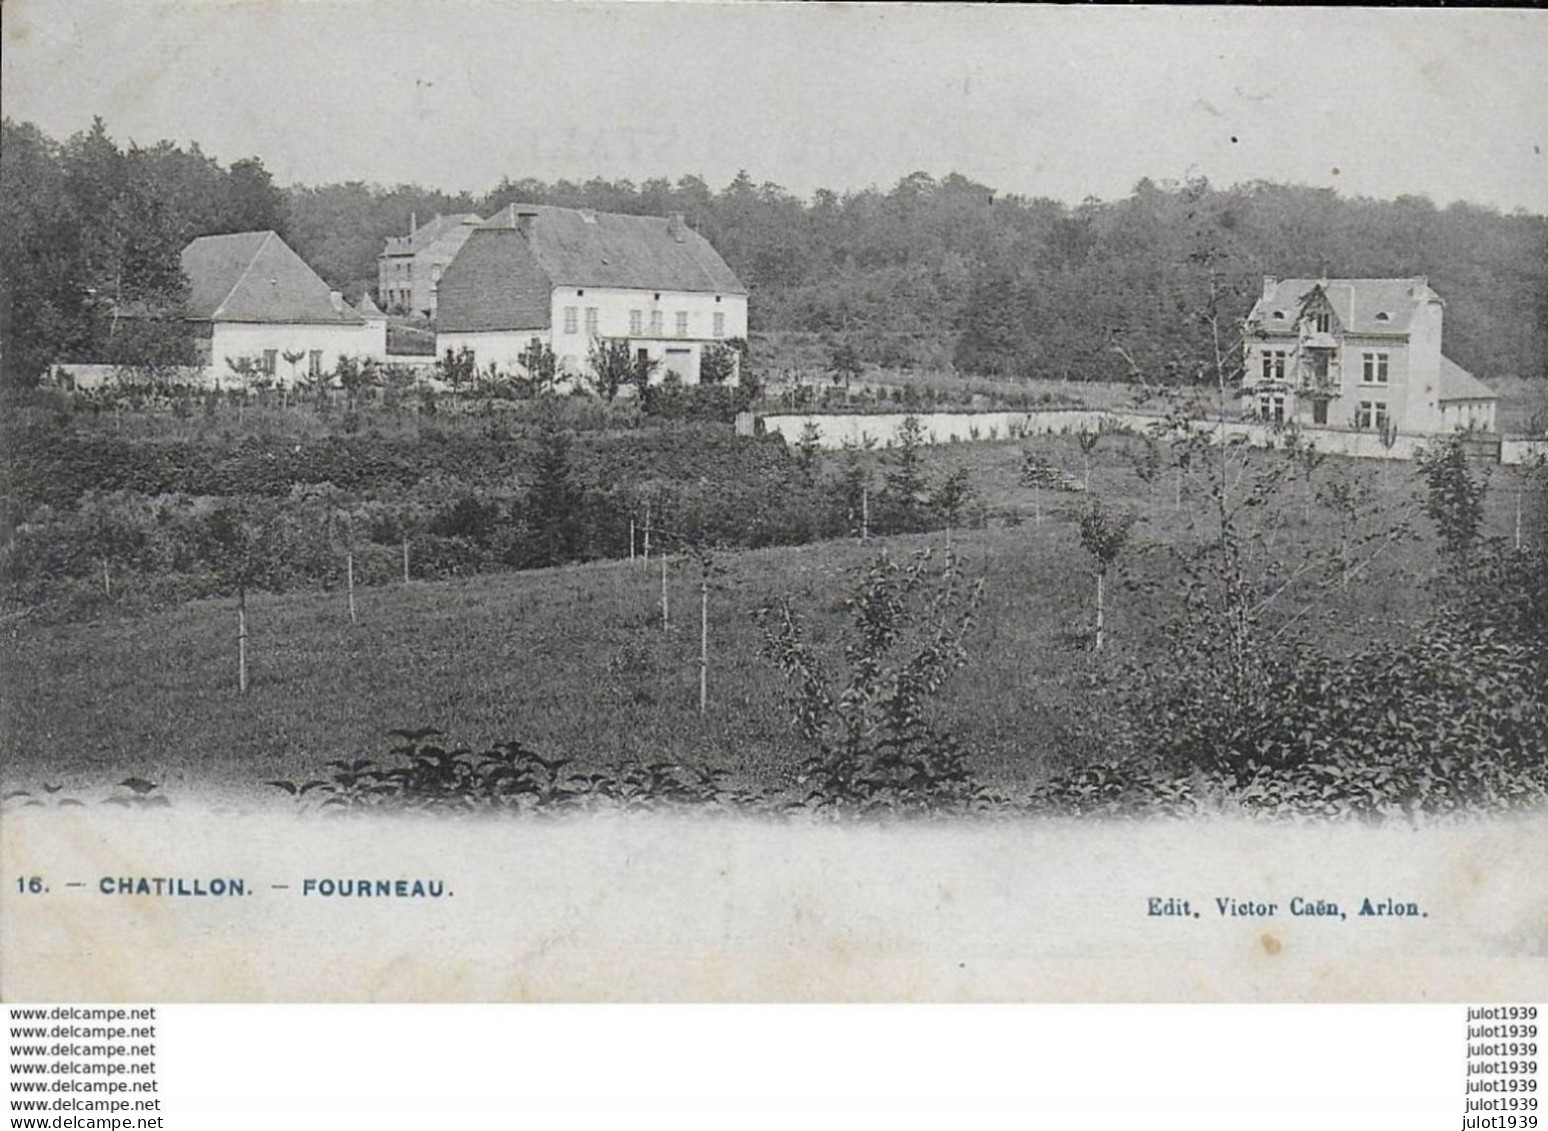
[[878, 749], [422, 774]]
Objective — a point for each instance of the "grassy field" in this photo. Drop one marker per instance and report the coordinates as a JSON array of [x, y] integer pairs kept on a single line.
[[575, 659]]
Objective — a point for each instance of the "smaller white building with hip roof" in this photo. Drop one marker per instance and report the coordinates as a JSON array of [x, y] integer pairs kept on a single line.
[[251, 297]]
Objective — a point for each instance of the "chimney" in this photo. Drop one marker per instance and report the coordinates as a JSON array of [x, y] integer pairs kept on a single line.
[[413, 222], [676, 228], [337, 299], [1269, 283], [523, 221]]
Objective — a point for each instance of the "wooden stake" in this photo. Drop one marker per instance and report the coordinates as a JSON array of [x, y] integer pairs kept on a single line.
[[1100, 625], [664, 621], [1517, 517], [631, 539], [647, 534], [405, 559], [349, 567], [107, 583], [703, 644], [242, 639], [865, 513]]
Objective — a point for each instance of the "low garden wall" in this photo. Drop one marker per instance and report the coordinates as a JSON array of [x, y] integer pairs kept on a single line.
[[837, 429]]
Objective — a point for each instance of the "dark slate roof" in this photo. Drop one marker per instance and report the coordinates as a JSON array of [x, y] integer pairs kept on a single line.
[[426, 234], [577, 247], [494, 284], [1356, 303], [255, 277], [1457, 384]]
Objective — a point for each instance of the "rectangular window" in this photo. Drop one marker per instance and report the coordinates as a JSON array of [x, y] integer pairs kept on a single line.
[[571, 320], [1322, 322], [655, 322], [1272, 408], [314, 363], [1274, 365], [1375, 369], [1372, 414], [270, 361], [682, 323], [636, 322], [720, 324], [591, 321]]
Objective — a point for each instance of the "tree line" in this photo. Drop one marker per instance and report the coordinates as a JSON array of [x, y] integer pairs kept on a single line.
[[930, 272]]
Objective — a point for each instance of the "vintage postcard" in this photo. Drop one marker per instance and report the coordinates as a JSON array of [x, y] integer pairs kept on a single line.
[[758, 502]]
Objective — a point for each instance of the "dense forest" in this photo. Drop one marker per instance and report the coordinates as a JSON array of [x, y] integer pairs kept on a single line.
[[932, 272]]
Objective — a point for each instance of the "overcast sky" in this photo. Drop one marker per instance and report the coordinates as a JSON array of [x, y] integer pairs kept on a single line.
[[1060, 102]]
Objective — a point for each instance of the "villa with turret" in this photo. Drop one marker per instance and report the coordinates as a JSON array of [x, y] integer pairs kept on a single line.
[[1362, 354]]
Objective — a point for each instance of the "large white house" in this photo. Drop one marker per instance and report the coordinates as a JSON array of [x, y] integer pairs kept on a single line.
[[568, 278], [250, 296], [1358, 353]]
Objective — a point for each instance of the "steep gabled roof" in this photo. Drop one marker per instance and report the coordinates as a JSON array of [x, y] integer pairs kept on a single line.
[[1355, 302], [494, 284], [255, 277], [426, 234], [1457, 384], [580, 248]]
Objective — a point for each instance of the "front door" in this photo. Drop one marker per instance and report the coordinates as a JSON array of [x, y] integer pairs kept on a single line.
[[679, 361]]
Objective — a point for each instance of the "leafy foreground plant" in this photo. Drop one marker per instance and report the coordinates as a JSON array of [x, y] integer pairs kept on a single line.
[[878, 748], [423, 775], [1451, 722], [1453, 718]]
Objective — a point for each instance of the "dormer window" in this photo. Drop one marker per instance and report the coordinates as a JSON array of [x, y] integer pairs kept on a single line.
[[1322, 322], [1383, 316], [1279, 316]]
